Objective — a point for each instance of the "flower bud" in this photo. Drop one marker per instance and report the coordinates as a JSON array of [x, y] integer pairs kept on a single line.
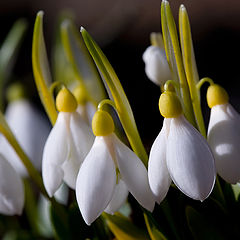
[[80, 94], [65, 101], [156, 65], [169, 105], [102, 123], [216, 95]]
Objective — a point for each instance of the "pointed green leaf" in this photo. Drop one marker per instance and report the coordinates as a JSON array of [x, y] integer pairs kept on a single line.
[[41, 69], [8, 52], [190, 66], [83, 65], [123, 229], [174, 57], [236, 190], [117, 94], [154, 233]]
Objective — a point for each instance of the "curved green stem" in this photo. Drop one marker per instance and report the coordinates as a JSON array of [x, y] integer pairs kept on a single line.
[[56, 84], [169, 83], [106, 101], [202, 81]]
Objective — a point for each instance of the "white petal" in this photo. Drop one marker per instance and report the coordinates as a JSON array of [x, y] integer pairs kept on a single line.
[[80, 143], [11, 189], [96, 181], [119, 198], [55, 153], [156, 65], [134, 174], [31, 130], [189, 160], [224, 139], [159, 178], [87, 112]]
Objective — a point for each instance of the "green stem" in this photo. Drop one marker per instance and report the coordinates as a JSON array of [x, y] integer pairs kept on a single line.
[[169, 83], [202, 81], [106, 101]]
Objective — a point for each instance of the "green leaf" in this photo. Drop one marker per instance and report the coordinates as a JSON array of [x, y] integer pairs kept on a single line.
[[41, 70], [190, 66], [153, 231], [59, 218], [9, 51], [201, 227], [117, 94], [123, 229], [174, 58], [84, 67], [236, 190]]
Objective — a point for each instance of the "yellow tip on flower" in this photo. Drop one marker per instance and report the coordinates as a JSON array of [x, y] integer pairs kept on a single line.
[[65, 101], [216, 95], [169, 105], [80, 94], [102, 123]]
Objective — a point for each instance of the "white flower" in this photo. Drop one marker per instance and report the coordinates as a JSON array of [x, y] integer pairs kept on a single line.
[[156, 65], [11, 189], [30, 129], [224, 139], [108, 172], [67, 145], [182, 154]]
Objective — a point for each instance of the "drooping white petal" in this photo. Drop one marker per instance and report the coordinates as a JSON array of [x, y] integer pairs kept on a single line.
[[134, 174], [80, 143], [11, 189], [55, 153], [159, 178], [96, 181], [31, 130], [189, 160], [118, 199], [224, 139], [156, 65]]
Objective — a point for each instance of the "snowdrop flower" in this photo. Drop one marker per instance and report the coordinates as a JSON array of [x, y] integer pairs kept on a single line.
[[156, 65], [180, 153], [67, 145], [108, 172], [11, 189], [85, 108], [224, 134], [29, 127]]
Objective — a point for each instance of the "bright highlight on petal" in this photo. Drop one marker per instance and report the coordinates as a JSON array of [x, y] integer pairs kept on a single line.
[[224, 139], [96, 181], [189, 160]]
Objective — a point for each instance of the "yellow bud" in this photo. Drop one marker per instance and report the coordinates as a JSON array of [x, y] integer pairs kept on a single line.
[[169, 105], [65, 101], [102, 123], [80, 94], [216, 95]]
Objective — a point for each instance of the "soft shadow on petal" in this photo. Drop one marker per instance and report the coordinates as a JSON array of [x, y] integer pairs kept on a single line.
[[159, 178], [96, 181], [224, 139], [134, 174], [11, 189], [31, 130], [54, 154], [189, 160], [119, 198]]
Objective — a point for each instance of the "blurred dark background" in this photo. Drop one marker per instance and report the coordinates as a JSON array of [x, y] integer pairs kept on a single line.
[[122, 29]]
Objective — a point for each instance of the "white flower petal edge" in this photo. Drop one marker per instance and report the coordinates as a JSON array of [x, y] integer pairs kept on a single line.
[[54, 154], [31, 130], [96, 181], [224, 139], [189, 160], [156, 65], [119, 198], [134, 174], [159, 178], [11, 189]]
